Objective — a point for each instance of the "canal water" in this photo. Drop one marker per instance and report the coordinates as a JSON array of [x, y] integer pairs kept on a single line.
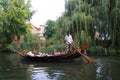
[[13, 68]]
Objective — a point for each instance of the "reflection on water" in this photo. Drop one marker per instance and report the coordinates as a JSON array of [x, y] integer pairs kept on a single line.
[[55, 72], [12, 68], [43, 73], [108, 68]]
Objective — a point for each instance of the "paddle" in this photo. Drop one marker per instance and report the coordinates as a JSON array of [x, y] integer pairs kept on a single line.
[[87, 58]]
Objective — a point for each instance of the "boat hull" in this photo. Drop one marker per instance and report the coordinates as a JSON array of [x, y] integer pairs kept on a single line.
[[70, 56], [63, 57]]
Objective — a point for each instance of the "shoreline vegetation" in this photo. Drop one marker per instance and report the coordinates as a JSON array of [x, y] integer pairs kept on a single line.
[[92, 50]]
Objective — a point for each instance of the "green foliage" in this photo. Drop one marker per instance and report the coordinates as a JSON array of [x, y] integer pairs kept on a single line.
[[96, 50], [52, 48], [50, 31], [12, 47], [92, 15], [53, 44], [31, 43], [112, 52], [83, 37], [13, 17]]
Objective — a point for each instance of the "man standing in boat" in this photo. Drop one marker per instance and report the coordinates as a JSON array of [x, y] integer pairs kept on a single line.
[[69, 40]]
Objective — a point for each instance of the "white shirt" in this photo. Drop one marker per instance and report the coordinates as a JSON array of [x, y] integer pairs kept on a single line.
[[68, 39]]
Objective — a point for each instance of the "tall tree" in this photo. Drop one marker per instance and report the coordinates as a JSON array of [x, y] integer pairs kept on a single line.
[[49, 29], [92, 16], [14, 15]]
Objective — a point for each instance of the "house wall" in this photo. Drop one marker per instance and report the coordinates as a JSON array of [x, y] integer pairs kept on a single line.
[[39, 31], [33, 30]]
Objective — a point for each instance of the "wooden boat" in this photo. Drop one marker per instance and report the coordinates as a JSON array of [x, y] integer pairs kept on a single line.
[[71, 55]]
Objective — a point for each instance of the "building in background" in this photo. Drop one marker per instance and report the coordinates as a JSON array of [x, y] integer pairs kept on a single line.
[[39, 31]]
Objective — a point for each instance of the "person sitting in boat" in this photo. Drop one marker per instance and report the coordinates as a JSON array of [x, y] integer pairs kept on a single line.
[[69, 40]]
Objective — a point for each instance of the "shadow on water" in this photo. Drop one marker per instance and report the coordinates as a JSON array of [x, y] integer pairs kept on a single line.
[[12, 68]]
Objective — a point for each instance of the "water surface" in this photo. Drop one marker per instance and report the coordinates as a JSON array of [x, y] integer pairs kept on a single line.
[[13, 68]]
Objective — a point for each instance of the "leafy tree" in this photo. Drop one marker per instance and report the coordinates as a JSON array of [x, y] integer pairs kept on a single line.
[[14, 15], [92, 16], [50, 31]]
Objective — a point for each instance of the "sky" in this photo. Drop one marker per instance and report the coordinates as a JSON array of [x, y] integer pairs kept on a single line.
[[45, 10]]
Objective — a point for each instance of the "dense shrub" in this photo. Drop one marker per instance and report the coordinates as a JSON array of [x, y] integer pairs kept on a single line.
[[112, 52], [31, 42], [54, 47], [96, 50]]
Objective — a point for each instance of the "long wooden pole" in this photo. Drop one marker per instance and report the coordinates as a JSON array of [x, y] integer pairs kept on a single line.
[[87, 58]]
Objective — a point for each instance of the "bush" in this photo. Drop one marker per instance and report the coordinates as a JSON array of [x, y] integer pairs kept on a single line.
[[112, 52], [31, 42], [96, 50], [54, 47]]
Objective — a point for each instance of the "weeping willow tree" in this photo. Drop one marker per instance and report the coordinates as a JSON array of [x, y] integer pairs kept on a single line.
[[93, 15], [107, 22], [13, 17], [77, 17], [113, 9]]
